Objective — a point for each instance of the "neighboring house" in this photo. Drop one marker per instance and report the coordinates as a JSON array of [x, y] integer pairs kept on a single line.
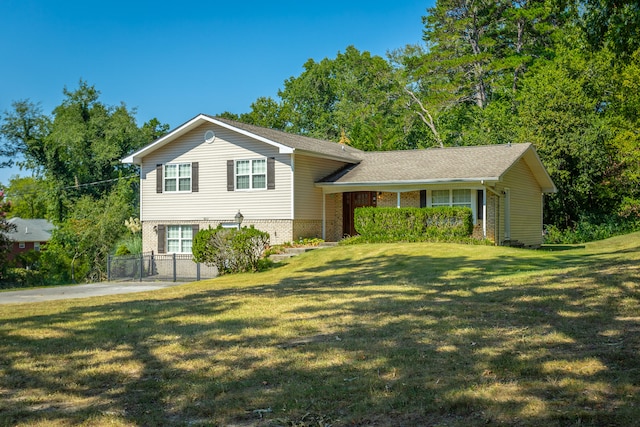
[[29, 235], [207, 170]]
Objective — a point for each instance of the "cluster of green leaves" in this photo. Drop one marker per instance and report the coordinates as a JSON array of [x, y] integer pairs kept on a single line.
[[80, 245], [442, 223], [231, 250], [5, 227], [78, 181]]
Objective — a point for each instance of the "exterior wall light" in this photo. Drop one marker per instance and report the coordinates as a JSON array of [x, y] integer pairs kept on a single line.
[[239, 217]]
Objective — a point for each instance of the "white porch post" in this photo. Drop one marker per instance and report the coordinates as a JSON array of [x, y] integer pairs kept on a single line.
[[324, 215], [484, 213], [398, 202]]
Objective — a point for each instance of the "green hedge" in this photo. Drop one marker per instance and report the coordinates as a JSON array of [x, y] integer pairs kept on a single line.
[[441, 223]]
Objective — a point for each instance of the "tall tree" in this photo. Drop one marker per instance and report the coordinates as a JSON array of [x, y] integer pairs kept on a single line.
[[564, 113], [463, 83], [77, 150], [354, 95]]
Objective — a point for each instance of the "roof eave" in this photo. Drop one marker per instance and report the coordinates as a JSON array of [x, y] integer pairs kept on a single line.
[[348, 158], [340, 186]]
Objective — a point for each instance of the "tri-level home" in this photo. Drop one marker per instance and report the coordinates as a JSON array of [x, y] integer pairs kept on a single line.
[[209, 169]]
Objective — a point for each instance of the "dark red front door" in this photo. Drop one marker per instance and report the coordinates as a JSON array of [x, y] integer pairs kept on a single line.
[[351, 201]]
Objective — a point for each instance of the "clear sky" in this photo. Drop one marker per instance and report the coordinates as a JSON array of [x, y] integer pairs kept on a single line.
[[175, 59]]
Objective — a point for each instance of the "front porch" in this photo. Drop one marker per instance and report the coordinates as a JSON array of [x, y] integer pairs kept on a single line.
[[339, 207]]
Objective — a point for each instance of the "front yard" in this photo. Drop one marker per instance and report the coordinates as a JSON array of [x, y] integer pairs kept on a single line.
[[385, 335]]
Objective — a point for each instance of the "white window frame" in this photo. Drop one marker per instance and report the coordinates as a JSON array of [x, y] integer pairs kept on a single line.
[[471, 204], [185, 234], [177, 177], [251, 174], [22, 245], [36, 246]]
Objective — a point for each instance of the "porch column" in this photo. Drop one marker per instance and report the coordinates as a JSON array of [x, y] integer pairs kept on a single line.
[[324, 215], [398, 202], [484, 213]]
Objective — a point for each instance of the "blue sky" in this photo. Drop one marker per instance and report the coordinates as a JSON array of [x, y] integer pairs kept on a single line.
[[174, 60]]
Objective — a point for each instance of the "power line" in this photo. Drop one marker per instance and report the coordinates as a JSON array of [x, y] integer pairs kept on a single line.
[[88, 184]]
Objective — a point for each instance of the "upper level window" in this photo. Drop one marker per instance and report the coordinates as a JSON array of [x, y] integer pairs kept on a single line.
[[36, 246], [251, 174], [177, 177]]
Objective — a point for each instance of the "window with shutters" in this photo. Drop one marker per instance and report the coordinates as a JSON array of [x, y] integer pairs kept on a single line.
[[251, 174], [179, 239], [177, 177]]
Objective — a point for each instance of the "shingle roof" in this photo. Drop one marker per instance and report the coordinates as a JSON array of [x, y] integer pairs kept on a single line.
[[476, 163], [299, 142], [30, 230]]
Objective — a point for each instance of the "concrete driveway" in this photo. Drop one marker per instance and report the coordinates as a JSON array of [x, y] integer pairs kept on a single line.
[[81, 291]]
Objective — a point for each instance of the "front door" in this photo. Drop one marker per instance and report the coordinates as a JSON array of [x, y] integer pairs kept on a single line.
[[351, 201]]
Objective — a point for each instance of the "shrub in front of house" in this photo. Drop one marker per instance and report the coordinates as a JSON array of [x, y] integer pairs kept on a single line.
[[441, 224], [230, 250]]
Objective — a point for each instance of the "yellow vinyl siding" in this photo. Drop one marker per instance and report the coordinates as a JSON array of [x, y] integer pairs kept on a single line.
[[525, 204], [308, 197], [213, 201]]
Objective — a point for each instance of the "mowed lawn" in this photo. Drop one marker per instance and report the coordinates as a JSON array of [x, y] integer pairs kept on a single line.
[[365, 335]]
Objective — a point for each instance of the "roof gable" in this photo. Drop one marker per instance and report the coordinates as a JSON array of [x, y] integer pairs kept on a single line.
[[285, 142]]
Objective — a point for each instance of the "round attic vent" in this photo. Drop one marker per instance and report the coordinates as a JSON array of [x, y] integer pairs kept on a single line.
[[209, 136]]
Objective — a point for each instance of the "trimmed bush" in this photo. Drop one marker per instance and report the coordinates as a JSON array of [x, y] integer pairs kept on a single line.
[[230, 250], [441, 223]]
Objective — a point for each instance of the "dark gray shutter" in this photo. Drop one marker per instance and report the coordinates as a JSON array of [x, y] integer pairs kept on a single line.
[[271, 173], [479, 203], [230, 176], [158, 178], [423, 198], [195, 185], [194, 229], [161, 239]]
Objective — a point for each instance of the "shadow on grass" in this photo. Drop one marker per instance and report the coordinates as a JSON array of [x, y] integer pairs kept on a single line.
[[387, 339]]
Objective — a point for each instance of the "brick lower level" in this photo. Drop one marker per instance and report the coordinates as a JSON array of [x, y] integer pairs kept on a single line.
[[280, 230]]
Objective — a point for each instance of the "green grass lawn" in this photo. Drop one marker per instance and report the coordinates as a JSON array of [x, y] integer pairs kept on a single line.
[[385, 335]]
